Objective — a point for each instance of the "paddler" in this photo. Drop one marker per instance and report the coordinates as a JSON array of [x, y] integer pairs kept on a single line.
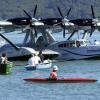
[[3, 59], [53, 74], [37, 59], [41, 56], [31, 60], [34, 60]]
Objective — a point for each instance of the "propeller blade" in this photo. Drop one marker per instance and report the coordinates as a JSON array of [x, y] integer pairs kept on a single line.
[[84, 34], [27, 14], [35, 31], [68, 12], [64, 31], [92, 30], [26, 36], [27, 27], [71, 35], [92, 11], [9, 41], [60, 12], [35, 10], [90, 33]]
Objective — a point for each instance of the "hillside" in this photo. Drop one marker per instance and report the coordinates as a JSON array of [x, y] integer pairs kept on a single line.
[[47, 8]]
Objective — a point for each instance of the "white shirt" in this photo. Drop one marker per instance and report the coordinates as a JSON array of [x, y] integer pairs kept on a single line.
[[37, 59], [31, 61], [3, 60]]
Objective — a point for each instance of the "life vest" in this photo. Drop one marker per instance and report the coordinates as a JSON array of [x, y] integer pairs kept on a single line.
[[53, 75]]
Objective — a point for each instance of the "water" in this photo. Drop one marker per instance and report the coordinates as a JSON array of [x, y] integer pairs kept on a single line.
[[13, 87]]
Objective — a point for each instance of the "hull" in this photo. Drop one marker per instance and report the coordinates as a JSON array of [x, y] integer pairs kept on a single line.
[[38, 67], [76, 53], [61, 80]]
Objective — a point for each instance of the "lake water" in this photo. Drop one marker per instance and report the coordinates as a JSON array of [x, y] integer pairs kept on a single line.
[[13, 87]]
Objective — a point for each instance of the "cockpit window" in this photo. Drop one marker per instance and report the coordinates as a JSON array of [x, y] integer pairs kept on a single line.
[[60, 45], [64, 45]]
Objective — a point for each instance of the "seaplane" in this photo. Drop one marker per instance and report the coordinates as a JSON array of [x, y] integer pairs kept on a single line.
[[68, 49], [32, 26], [39, 37]]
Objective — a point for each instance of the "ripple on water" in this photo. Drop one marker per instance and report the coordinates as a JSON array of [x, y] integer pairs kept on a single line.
[[13, 87]]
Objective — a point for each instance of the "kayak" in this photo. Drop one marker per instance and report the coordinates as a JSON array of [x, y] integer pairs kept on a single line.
[[61, 80], [44, 65], [6, 68]]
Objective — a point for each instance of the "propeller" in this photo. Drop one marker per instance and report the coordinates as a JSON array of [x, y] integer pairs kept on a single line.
[[68, 12], [64, 20], [63, 24], [92, 9], [92, 30], [71, 35], [32, 21], [27, 15], [60, 12], [95, 21], [35, 9]]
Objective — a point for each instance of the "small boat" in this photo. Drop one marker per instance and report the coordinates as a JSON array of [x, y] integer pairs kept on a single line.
[[45, 65], [61, 80], [6, 68]]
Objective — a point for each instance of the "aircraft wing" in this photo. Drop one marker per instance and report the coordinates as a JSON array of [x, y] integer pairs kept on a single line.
[[6, 26]]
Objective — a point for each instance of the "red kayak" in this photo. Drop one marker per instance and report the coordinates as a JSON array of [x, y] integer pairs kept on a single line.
[[61, 80]]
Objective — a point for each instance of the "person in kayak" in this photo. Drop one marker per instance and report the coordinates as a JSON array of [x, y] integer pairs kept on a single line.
[[53, 74], [31, 60], [37, 59], [34, 60], [4, 59], [41, 56]]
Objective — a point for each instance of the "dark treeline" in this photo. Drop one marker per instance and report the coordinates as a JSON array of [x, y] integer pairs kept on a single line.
[[48, 8]]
